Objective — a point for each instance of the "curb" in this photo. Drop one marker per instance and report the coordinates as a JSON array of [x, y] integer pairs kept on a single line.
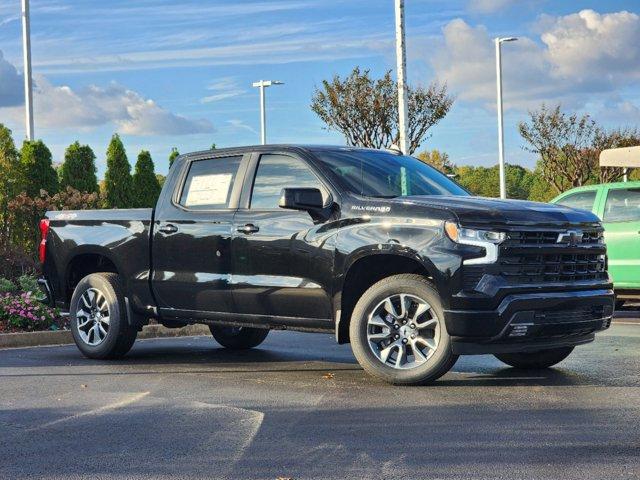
[[64, 337]]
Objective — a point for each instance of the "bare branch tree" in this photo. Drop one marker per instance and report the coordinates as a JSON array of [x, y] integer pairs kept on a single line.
[[565, 144], [618, 138], [365, 110]]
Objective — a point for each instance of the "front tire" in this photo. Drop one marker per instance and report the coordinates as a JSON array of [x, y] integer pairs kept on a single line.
[[398, 333], [535, 360], [238, 338], [99, 318]]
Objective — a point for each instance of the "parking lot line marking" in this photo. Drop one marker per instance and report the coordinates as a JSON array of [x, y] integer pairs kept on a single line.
[[625, 323], [97, 411]]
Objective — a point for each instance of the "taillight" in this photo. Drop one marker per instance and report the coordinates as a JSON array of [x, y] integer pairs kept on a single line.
[[44, 231]]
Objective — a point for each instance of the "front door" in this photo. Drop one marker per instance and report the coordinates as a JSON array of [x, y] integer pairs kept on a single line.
[[191, 248], [282, 262], [621, 221]]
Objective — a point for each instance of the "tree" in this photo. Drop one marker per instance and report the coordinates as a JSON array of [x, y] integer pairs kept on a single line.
[[438, 160], [145, 184], [118, 181], [213, 146], [79, 168], [365, 110], [484, 181], [161, 179], [618, 138], [565, 144], [36, 169], [9, 179], [173, 155]]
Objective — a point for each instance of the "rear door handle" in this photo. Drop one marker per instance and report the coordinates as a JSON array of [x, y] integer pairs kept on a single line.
[[248, 228], [168, 228]]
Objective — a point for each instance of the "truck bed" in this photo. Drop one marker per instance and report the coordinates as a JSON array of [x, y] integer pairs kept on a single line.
[[120, 236]]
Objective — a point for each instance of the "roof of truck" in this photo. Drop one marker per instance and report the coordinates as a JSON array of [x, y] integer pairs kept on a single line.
[[284, 146]]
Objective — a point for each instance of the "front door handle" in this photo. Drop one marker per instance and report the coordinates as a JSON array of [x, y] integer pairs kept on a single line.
[[168, 228], [248, 228]]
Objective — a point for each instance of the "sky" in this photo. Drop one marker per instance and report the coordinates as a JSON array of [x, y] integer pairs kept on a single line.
[[178, 73]]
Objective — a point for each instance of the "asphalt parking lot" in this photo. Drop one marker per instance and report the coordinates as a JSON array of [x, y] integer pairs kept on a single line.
[[300, 407]]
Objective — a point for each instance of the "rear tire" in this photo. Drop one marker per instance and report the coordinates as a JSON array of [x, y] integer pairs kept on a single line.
[[535, 360], [99, 318], [238, 338], [404, 342]]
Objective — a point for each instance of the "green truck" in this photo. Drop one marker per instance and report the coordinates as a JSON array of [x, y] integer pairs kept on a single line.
[[618, 206]]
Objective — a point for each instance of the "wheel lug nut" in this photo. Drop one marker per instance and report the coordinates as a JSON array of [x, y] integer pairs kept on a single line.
[[404, 322], [404, 340], [413, 335], [396, 326], [413, 325], [396, 337]]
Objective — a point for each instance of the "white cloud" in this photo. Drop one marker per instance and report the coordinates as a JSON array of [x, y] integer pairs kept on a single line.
[[223, 88], [60, 106], [11, 84], [490, 6], [588, 44], [577, 55], [240, 125]]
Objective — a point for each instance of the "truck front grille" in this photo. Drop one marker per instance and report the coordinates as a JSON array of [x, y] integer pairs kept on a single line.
[[529, 257], [552, 267]]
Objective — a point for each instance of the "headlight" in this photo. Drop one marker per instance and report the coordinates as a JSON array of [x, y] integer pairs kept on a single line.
[[486, 239]]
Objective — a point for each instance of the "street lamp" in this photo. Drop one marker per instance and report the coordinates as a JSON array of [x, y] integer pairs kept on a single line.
[[262, 84], [503, 183]]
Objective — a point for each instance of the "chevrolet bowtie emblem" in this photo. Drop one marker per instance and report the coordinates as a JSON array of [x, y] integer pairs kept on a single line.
[[572, 237]]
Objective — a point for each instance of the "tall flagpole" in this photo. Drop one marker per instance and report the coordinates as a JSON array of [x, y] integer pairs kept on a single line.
[[28, 87]]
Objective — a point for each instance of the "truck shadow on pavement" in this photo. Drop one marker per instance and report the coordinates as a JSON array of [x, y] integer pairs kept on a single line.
[[281, 359]]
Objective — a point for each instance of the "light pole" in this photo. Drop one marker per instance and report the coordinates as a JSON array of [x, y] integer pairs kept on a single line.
[[262, 84], [26, 50], [503, 183], [401, 67]]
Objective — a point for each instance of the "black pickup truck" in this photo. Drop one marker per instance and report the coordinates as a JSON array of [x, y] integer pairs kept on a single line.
[[378, 248]]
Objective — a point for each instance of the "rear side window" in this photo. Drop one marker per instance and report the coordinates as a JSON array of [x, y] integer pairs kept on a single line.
[[582, 200], [622, 205], [209, 183], [276, 172]]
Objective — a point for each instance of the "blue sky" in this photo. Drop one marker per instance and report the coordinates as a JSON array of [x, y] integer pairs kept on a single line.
[[179, 73]]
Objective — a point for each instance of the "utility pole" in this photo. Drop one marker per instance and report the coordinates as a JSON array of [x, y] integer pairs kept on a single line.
[[262, 84], [28, 87], [503, 180], [401, 62]]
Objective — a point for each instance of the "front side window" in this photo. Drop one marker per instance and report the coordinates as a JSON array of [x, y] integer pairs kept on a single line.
[[622, 205], [582, 200], [276, 172], [209, 182], [376, 173]]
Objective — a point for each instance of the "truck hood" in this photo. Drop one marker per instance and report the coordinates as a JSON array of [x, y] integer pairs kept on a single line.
[[480, 211]]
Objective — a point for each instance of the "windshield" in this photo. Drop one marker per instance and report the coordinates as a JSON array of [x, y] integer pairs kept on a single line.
[[376, 173]]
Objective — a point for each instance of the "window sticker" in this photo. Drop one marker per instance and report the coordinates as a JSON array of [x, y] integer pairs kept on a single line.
[[209, 189]]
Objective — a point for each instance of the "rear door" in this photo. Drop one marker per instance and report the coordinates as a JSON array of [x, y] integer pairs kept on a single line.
[[621, 220], [283, 264], [191, 248]]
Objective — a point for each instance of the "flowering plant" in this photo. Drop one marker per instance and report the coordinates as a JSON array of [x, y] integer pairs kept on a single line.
[[19, 313]]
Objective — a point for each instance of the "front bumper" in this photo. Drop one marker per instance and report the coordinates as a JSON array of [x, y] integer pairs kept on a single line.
[[531, 321]]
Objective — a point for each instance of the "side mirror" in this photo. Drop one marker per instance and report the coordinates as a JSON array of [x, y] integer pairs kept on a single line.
[[307, 199]]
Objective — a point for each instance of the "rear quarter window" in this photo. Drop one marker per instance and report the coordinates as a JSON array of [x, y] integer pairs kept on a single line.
[[209, 183]]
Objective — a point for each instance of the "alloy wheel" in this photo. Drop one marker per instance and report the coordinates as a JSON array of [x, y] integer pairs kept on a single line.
[[403, 331], [92, 317]]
